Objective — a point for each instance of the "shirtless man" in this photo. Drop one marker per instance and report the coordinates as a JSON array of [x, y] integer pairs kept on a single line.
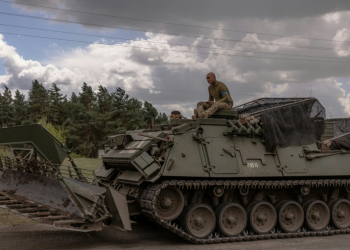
[[219, 93]]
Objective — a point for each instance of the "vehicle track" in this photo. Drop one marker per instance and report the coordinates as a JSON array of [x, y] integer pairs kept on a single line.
[[149, 196]]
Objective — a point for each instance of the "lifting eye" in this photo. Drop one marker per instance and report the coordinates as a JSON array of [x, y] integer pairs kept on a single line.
[[198, 134]]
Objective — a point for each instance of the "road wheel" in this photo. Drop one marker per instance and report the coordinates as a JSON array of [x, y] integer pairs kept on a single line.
[[290, 216], [198, 220], [231, 219], [317, 215], [262, 217], [340, 213], [170, 203]]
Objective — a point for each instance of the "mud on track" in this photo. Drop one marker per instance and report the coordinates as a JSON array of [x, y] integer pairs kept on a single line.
[[144, 236]]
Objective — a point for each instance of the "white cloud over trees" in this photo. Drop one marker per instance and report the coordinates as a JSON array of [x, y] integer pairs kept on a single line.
[[145, 70]]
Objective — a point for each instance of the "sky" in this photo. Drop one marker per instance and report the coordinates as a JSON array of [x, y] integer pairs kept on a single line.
[[160, 50]]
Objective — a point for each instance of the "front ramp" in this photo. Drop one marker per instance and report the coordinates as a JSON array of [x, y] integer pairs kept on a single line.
[[40, 189], [43, 199]]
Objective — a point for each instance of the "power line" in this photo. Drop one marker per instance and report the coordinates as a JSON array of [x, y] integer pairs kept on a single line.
[[202, 92], [172, 34], [177, 24], [190, 52], [198, 92], [163, 43], [166, 90]]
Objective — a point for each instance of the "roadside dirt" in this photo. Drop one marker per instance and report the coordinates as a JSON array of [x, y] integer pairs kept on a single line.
[[9, 218]]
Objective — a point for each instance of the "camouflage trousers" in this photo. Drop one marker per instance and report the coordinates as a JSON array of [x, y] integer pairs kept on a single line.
[[204, 110]]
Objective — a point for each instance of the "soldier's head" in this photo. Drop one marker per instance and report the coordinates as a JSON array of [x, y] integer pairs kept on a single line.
[[176, 115], [211, 78]]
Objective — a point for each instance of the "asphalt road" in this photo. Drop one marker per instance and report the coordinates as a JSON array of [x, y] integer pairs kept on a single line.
[[144, 236]]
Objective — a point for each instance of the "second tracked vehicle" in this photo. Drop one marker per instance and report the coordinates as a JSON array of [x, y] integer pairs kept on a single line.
[[259, 171]]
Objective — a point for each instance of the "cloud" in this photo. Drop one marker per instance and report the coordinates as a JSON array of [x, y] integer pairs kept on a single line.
[[293, 18], [343, 48], [332, 17], [21, 72], [196, 10], [147, 69], [53, 45], [167, 78]]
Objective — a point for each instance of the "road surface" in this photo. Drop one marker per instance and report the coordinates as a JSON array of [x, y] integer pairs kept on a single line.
[[144, 236]]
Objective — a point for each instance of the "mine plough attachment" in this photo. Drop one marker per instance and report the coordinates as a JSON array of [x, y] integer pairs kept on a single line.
[[35, 184], [52, 198]]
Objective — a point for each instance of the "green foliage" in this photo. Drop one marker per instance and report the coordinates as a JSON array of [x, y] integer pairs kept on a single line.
[[56, 114], [6, 108], [149, 113], [76, 156], [84, 121], [59, 133], [20, 109], [82, 124], [38, 101], [162, 118]]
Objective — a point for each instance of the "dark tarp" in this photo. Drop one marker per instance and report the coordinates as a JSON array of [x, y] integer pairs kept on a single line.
[[293, 125]]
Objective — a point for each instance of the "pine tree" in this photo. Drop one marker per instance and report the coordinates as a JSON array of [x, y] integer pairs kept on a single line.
[[20, 109], [119, 100], [87, 97], [64, 111], [38, 101], [126, 113], [162, 118], [72, 111], [55, 114], [70, 107], [74, 98], [104, 100], [150, 113], [6, 114], [80, 136], [134, 118], [103, 116], [1, 111]]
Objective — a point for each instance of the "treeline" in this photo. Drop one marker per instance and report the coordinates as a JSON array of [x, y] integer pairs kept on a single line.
[[85, 119]]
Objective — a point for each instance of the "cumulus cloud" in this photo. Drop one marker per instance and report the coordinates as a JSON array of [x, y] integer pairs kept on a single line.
[[21, 72], [293, 18], [342, 47], [173, 76], [168, 78]]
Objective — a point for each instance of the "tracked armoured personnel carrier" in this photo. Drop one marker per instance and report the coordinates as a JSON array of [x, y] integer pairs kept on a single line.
[[258, 171]]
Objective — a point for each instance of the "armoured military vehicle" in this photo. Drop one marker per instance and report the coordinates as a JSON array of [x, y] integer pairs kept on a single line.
[[259, 171]]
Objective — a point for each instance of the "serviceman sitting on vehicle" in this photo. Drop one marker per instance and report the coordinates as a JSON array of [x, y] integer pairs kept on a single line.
[[218, 92]]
